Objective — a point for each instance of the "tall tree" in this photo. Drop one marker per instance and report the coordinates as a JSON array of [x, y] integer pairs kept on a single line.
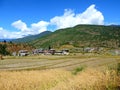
[[3, 50]]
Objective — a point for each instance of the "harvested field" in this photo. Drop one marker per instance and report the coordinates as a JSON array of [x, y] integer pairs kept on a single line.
[[75, 72], [52, 62]]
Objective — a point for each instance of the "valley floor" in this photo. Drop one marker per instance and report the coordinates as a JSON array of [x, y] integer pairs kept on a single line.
[[73, 72]]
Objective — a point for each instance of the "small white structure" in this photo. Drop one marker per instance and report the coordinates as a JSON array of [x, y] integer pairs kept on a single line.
[[23, 53], [114, 52], [14, 53], [38, 51], [65, 52]]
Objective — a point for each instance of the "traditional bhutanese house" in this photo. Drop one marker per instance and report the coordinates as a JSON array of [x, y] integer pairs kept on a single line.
[[23, 53]]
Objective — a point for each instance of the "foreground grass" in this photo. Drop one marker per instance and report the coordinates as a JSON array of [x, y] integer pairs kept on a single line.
[[56, 79], [31, 80]]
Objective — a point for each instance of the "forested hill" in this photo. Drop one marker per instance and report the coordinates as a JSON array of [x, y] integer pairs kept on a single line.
[[31, 37], [81, 35]]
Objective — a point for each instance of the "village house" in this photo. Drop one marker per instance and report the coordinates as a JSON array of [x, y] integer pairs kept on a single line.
[[37, 51], [42, 51], [65, 52], [23, 53]]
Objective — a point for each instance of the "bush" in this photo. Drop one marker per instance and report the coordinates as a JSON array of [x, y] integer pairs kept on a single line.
[[78, 69]]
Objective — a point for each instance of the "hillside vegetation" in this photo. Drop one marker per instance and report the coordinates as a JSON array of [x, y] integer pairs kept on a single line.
[[81, 35]]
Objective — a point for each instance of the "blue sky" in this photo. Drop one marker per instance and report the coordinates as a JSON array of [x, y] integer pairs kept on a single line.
[[20, 18]]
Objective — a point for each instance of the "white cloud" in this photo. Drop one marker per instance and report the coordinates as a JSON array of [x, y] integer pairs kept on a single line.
[[69, 19], [20, 25], [3, 33], [7, 34], [39, 27], [35, 28], [90, 16]]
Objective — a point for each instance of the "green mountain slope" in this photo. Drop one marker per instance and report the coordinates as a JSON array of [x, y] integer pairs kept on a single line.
[[81, 35], [31, 37]]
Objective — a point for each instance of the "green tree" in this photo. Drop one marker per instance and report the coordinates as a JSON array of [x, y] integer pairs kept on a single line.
[[3, 50]]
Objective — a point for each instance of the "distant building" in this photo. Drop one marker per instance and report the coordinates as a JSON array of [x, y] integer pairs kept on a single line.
[[45, 52], [14, 53], [48, 52], [37, 51], [114, 52], [65, 52], [23, 53]]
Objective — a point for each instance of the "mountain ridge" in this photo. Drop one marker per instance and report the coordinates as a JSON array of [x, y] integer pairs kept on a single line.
[[81, 35], [29, 38]]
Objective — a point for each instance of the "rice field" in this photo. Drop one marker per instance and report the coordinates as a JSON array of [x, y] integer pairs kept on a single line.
[[73, 72], [42, 62]]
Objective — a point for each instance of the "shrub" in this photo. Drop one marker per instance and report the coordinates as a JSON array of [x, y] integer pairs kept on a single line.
[[78, 69]]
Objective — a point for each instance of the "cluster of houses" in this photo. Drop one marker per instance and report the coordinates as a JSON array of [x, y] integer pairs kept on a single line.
[[99, 50], [41, 51]]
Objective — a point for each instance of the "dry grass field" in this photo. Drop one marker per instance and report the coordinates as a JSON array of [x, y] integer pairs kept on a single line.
[[56, 79], [73, 72]]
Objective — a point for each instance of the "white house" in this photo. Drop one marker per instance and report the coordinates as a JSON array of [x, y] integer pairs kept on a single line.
[[23, 53]]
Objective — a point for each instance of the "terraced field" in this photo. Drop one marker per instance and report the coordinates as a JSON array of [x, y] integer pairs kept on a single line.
[[42, 62]]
